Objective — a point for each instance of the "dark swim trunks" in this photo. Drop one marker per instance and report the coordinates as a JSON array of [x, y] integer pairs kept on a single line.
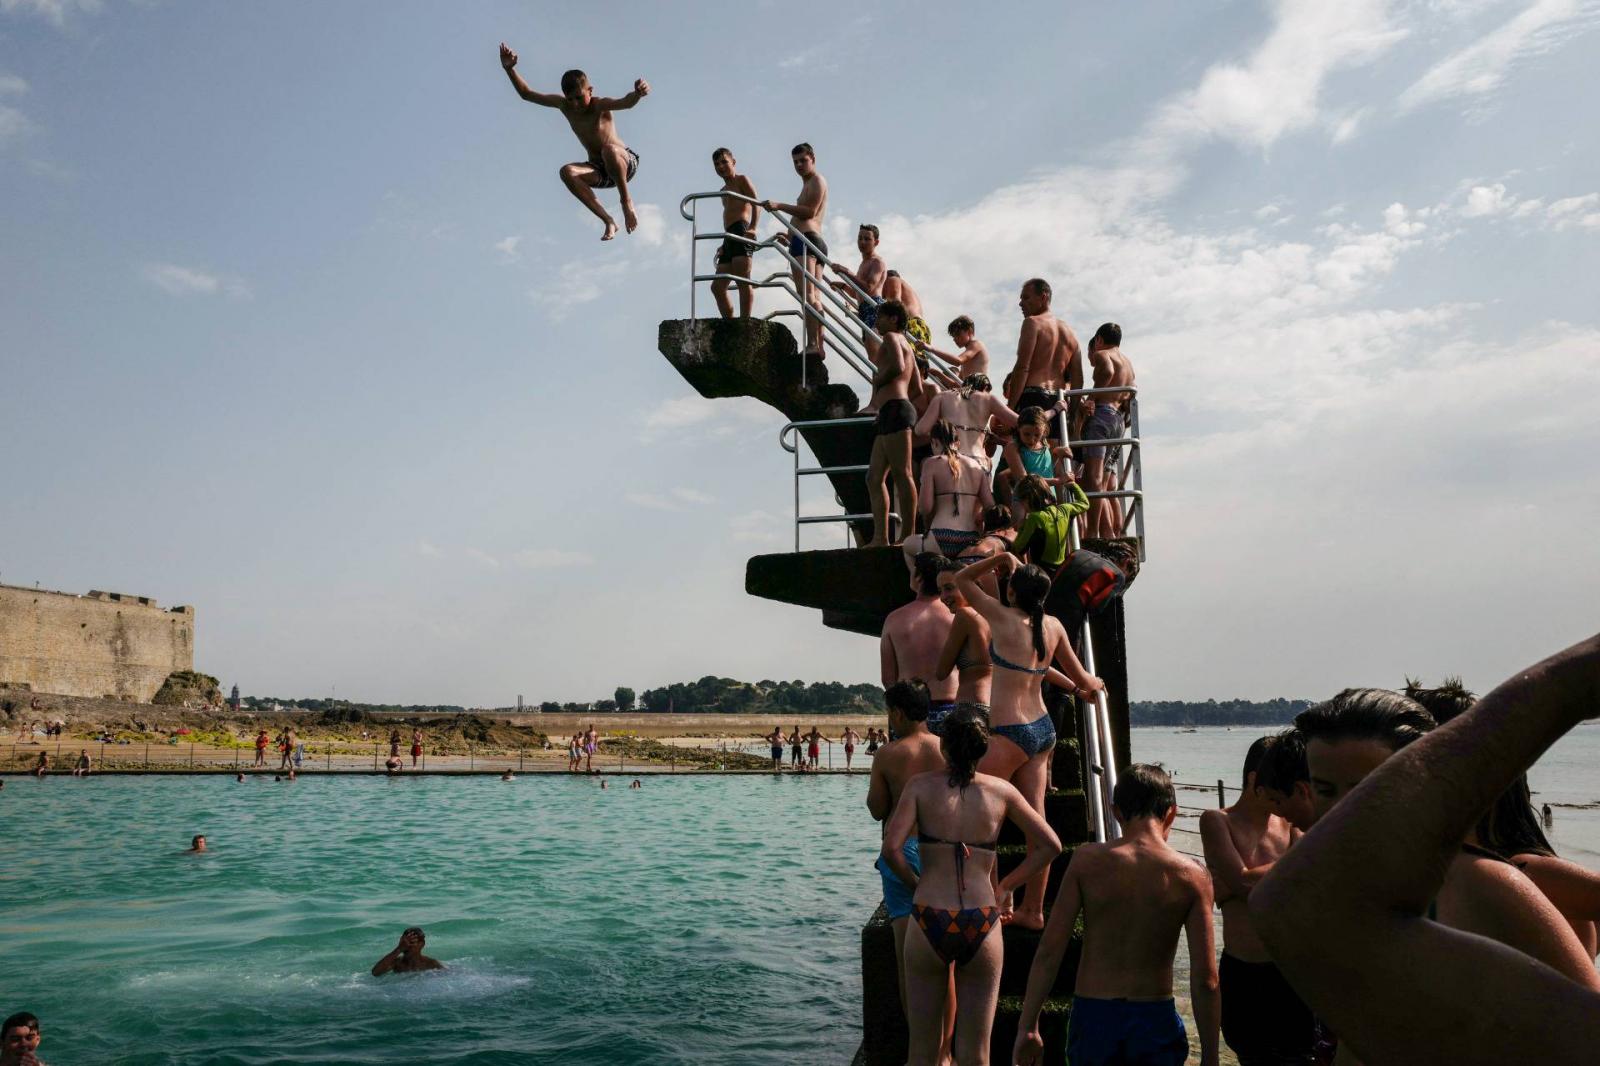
[[1045, 400], [798, 249], [1263, 1021], [1112, 1032], [895, 416], [1104, 424], [606, 180], [867, 311], [732, 249]]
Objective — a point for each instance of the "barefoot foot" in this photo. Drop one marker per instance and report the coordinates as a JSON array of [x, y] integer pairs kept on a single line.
[[611, 230], [629, 217], [1027, 920]]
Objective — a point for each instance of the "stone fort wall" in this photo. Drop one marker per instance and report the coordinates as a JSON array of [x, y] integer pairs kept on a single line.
[[105, 644]]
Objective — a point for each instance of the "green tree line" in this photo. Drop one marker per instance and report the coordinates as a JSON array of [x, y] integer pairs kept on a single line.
[[1215, 712]]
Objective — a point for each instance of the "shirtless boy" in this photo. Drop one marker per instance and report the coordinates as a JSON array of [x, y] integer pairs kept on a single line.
[[1263, 1021], [407, 956], [807, 214], [1111, 369], [1041, 353], [913, 751], [971, 357], [19, 1039], [1137, 896], [738, 218], [914, 635], [610, 163], [867, 278], [894, 381]]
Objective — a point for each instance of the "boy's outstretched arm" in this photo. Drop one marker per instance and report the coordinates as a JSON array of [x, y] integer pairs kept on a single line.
[[641, 89], [508, 60]]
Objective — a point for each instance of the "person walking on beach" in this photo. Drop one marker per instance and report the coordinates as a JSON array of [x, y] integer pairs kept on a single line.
[[610, 163], [1263, 1021], [1138, 895], [407, 956], [416, 747], [261, 747], [849, 737]]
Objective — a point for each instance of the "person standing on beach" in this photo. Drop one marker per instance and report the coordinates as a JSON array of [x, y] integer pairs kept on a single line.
[[1263, 1021], [261, 747], [914, 635], [285, 747], [416, 747], [913, 751], [610, 163], [806, 215], [591, 744], [775, 741]]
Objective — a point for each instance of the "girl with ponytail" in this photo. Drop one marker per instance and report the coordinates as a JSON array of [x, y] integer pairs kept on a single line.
[[1023, 642], [954, 492], [956, 814]]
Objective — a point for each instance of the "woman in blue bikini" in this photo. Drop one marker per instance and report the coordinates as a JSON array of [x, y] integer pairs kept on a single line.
[[1023, 642], [957, 813]]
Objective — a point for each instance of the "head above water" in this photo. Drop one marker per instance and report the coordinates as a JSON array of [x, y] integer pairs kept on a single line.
[[1144, 790], [964, 740], [908, 699], [24, 1026], [1352, 734]]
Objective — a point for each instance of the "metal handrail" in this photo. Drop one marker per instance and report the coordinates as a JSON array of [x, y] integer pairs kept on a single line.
[[1101, 779]]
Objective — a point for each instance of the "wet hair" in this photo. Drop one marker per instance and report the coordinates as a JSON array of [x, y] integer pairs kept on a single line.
[[1366, 714], [417, 929], [198, 837], [720, 152], [977, 383], [1143, 791], [964, 740], [1033, 416], [892, 274], [571, 80], [1109, 335], [1035, 492], [870, 228], [1029, 588], [997, 517], [943, 434], [1510, 827], [895, 308], [1252, 760], [20, 1020], [910, 698], [1283, 762], [929, 565], [959, 323], [1450, 700], [1038, 286], [803, 148]]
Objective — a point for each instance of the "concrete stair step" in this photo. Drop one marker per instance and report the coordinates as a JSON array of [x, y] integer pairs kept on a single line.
[[1067, 811]]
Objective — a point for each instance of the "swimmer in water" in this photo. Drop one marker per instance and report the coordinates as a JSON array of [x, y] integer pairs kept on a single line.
[[198, 844], [636, 784], [239, 778], [19, 1039], [507, 776], [603, 783], [407, 956]]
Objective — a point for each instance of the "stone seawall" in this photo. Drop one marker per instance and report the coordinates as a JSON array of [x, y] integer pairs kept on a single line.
[[104, 644]]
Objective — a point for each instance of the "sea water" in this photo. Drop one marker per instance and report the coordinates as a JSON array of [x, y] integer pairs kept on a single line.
[[694, 920]]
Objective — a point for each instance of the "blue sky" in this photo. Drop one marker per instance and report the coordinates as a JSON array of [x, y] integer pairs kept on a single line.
[[297, 325]]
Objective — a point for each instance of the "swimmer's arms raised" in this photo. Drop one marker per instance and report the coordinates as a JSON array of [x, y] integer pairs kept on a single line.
[[641, 89], [1343, 911], [508, 60]]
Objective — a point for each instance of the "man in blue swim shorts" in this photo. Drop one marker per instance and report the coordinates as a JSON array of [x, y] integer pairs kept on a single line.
[[865, 284], [1137, 895], [913, 751], [806, 215]]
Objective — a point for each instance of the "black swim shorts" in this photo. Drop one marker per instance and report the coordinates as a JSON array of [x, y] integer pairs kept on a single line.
[[731, 249], [798, 249], [606, 180], [1045, 400], [895, 416]]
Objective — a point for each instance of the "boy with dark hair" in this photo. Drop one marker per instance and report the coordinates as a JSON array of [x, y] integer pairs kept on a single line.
[[738, 220], [610, 163], [1137, 895], [894, 381], [972, 357], [866, 279], [19, 1039], [806, 214], [914, 635], [1263, 1021], [1284, 780]]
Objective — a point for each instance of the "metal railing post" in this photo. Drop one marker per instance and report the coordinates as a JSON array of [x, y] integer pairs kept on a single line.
[[797, 490], [694, 246], [1222, 800]]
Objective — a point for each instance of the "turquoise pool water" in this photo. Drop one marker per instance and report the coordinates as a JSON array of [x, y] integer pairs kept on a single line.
[[695, 920]]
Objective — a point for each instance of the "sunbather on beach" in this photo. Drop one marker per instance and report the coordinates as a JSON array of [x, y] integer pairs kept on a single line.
[[610, 163]]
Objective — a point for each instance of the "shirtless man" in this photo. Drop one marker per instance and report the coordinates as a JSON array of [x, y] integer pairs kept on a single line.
[[972, 357], [1041, 353], [1263, 1021], [807, 214], [894, 381], [591, 744], [407, 956], [738, 218], [1137, 896], [850, 736], [1111, 369], [913, 751], [814, 741], [896, 287], [287, 741], [868, 278], [19, 1039], [610, 163], [914, 635], [775, 742]]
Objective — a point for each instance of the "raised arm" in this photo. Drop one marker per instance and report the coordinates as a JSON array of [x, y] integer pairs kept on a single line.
[[641, 89], [508, 61], [1047, 956], [1204, 986], [1349, 900], [967, 581]]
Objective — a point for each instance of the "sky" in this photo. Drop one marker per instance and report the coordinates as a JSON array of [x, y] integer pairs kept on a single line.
[[298, 326]]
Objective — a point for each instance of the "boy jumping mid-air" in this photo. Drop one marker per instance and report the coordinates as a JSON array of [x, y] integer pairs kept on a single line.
[[611, 164]]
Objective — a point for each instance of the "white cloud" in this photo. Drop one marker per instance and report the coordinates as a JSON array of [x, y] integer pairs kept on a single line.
[[1487, 200], [1346, 126], [12, 85], [576, 284], [1278, 89], [428, 550], [483, 557], [652, 227], [13, 124], [549, 558], [681, 415], [1482, 67], [507, 247], [1490, 201], [55, 11], [186, 281], [678, 499], [761, 527]]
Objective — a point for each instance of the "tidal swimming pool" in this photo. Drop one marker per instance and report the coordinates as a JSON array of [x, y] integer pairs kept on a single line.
[[695, 920]]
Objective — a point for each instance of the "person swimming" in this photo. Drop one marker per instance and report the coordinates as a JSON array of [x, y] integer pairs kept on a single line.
[[198, 844], [407, 956]]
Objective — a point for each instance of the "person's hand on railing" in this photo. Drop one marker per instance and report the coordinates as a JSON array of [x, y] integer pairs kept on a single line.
[[1091, 685]]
